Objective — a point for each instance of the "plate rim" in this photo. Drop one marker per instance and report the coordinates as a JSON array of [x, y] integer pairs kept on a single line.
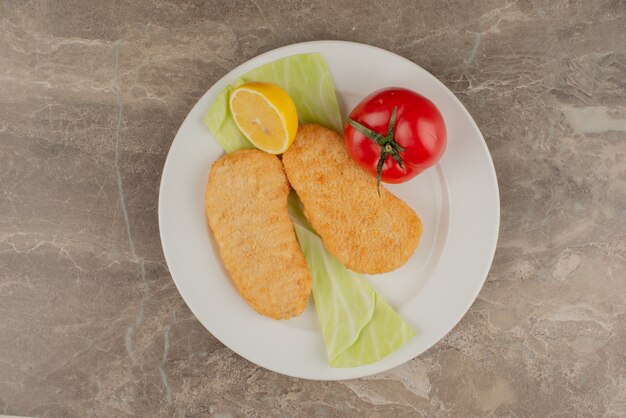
[[485, 150]]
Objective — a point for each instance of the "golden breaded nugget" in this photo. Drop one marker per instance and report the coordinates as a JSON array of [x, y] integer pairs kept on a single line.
[[367, 233], [246, 204]]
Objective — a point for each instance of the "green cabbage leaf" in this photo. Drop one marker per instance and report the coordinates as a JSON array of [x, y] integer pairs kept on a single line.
[[357, 325]]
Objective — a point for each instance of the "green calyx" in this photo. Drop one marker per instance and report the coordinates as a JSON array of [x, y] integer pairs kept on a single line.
[[388, 146]]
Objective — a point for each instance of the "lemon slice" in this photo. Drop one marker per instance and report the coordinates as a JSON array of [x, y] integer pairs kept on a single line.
[[266, 115]]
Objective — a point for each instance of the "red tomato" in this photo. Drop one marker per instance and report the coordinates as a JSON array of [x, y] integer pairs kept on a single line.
[[395, 134]]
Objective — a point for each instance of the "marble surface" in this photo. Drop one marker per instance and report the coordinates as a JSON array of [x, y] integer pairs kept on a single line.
[[91, 96]]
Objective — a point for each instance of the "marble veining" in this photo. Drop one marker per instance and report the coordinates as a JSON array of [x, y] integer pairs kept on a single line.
[[91, 96]]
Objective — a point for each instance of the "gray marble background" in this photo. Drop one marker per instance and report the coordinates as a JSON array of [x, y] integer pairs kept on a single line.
[[91, 323]]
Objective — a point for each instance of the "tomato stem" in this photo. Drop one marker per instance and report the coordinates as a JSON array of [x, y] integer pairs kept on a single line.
[[388, 146]]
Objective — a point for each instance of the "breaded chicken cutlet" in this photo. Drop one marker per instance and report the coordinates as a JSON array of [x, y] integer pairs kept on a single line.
[[367, 233], [246, 204]]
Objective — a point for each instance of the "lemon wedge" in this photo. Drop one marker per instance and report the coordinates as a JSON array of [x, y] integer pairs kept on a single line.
[[266, 115]]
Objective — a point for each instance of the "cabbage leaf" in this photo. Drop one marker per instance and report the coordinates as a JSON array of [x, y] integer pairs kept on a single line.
[[358, 326]]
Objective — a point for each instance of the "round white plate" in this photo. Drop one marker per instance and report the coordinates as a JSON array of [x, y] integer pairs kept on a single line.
[[457, 201]]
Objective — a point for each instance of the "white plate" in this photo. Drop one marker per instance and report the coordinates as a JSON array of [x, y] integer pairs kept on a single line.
[[457, 201]]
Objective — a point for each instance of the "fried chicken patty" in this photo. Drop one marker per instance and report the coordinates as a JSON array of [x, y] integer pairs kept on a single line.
[[367, 233], [246, 205]]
